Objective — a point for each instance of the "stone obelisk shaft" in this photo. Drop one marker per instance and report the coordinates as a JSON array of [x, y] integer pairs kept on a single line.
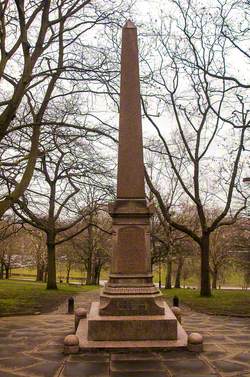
[[130, 181]]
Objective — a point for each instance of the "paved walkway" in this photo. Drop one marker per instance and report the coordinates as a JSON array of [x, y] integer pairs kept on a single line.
[[32, 346]]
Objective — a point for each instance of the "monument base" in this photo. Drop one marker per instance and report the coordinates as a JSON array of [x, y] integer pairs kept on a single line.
[[131, 305], [130, 333], [139, 327]]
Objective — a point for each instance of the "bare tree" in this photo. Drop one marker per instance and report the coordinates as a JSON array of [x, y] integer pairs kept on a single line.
[[55, 201], [45, 58], [240, 251], [66, 259], [9, 239], [234, 30], [37, 250], [93, 245], [208, 113], [220, 246]]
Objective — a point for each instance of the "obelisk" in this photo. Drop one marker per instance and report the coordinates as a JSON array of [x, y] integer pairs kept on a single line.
[[130, 290], [131, 307]]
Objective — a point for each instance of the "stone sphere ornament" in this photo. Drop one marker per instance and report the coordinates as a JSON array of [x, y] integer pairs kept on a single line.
[[195, 342], [71, 344], [80, 313]]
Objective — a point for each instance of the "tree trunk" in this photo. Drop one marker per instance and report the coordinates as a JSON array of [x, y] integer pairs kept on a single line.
[[39, 275], [159, 277], [178, 272], [7, 272], [247, 278], [39, 271], [51, 282], [98, 275], [205, 271], [215, 278], [95, 275], [1, 270], [68, 274], [89, 270], [45, 275], [95, 268], [90, 267], [168, 283], [97, 272]]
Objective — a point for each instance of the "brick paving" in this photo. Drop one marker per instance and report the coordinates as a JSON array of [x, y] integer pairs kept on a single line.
[[31, 346]]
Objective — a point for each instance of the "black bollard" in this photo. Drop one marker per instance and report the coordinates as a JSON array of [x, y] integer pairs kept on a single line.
[[175, 301], [71, 305]]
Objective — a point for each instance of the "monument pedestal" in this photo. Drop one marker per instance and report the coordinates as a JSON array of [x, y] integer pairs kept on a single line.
[[132, 327], [131, 305], [124, 334]]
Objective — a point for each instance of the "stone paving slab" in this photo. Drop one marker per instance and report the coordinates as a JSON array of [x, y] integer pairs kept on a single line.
[[86, 369], [31, 346], [150, 373], [137, 365]]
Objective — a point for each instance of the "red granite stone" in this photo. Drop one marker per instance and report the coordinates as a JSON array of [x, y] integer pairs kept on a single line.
[[131, 308]]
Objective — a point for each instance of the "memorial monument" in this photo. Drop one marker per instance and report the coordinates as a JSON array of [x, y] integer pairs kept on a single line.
[[131, 311]]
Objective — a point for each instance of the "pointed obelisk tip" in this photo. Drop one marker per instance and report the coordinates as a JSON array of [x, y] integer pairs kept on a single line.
[[129, 25]]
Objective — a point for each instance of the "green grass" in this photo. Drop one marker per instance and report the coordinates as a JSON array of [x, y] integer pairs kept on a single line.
[[234, 279], [225, 302], [21, 297], [31, 272]]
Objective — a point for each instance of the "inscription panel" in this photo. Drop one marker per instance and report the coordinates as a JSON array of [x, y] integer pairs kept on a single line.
[[131, 250], [132, 306], [131, 290]]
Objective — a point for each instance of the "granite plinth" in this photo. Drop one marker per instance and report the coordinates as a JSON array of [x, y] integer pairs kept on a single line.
[[133, 327], [121, 345], [131, 305], [130, 207]]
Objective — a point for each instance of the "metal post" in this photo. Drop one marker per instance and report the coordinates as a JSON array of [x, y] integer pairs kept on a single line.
[[71, 305], [175, 301]]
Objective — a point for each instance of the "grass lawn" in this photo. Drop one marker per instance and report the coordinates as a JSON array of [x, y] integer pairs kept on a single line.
[[234, 279], [75, 275], [229, 302], [21, 297]]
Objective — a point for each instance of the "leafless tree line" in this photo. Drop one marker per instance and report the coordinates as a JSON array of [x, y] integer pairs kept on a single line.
[[55, 148]]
